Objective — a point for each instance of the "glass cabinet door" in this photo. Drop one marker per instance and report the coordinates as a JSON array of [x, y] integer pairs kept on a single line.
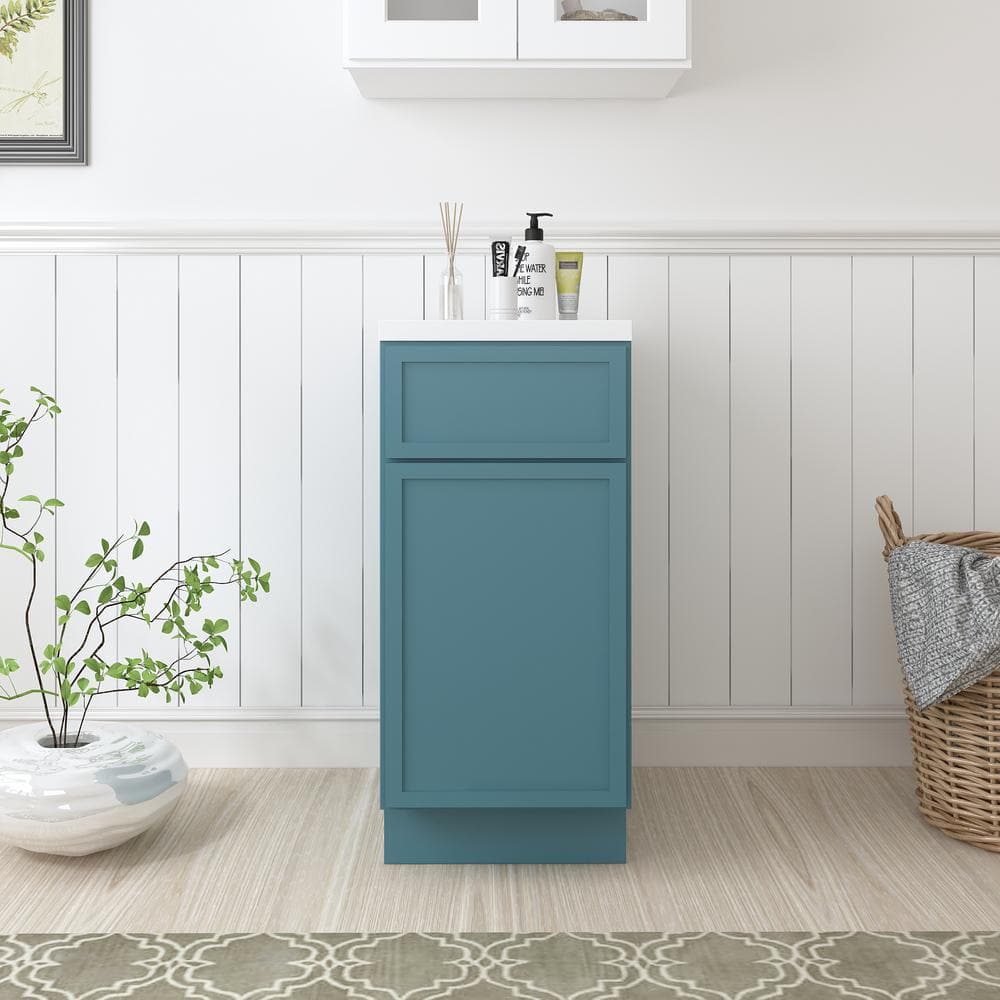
[[657, 29], [432, 29]]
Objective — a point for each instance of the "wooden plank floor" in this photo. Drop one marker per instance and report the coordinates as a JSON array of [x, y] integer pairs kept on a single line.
[[711, 849]]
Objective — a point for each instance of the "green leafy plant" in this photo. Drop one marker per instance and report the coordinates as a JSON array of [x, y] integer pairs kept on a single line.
[[72, 669], [17, 18]]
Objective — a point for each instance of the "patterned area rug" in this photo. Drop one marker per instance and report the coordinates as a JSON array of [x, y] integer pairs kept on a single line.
[[502, 966]]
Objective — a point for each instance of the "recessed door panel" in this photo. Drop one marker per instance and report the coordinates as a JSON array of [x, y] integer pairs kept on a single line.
[[505, 635], [659, 31], [431, 29]]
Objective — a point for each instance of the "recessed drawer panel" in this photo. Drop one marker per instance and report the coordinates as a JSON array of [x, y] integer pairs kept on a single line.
[[496, 400]]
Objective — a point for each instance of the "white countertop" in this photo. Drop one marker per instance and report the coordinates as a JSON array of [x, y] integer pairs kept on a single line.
[[513, 330]]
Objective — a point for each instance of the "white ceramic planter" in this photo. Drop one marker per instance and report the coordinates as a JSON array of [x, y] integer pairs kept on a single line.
[[88, 799]]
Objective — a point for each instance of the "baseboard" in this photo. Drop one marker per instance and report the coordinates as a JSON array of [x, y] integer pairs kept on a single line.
[[661, 737], [766, 737]]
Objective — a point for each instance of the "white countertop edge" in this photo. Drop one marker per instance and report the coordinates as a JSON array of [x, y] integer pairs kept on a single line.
[[570, 331]]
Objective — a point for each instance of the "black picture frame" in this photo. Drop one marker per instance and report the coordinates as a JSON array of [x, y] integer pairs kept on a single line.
[[71, 146]]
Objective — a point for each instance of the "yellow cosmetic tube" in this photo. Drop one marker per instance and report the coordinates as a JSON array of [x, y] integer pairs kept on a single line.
[[569, 271]]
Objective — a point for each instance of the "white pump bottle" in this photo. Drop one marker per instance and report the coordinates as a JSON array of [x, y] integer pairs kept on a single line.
[[536, 279]]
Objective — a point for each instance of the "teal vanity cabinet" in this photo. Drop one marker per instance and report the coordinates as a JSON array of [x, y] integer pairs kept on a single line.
[[505, 601]]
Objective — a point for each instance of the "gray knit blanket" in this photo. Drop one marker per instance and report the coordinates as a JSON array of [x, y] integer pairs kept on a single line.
[[946, 610]]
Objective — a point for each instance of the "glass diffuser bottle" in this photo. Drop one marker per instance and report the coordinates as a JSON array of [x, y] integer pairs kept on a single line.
[[452, 293]]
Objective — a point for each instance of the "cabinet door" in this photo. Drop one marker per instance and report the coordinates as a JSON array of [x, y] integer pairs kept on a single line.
[[431, 29], [505, 635], [661, 31]]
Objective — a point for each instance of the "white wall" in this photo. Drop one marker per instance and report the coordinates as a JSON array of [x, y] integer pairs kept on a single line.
[[795, 110]]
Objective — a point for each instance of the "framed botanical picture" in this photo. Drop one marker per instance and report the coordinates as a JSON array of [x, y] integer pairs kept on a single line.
[[43, 80]]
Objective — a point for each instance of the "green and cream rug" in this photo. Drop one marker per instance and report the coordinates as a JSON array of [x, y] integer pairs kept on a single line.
[[699, 966]]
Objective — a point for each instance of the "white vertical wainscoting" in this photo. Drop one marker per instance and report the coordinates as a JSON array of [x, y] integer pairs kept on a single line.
[[943, 387], [594, 287], [638, 290], [86, 431], [148, 446], [394, 289], [209, 441], [987, 347], [883, 459], [821, 481], [332, 462], [761, 482], [271, 477], [234, 404], [27, 322], [699, 480]]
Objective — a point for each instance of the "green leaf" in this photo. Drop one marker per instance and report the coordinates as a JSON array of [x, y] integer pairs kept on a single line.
[[144, 529], [137, 548], [53, 502], [62, 602], [106, 594], [30, 498], [83, 607], [94, 560]]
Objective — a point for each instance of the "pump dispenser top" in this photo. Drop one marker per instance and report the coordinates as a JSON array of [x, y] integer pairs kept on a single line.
[[534, 232]]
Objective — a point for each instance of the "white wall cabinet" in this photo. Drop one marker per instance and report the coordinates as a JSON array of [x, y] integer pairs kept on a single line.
[[518, 49]]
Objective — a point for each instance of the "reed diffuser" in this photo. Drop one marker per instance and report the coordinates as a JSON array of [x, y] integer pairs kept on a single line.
[[451, 299]]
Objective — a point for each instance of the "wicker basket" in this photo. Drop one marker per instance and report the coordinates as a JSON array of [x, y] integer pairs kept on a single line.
[[956, 744]]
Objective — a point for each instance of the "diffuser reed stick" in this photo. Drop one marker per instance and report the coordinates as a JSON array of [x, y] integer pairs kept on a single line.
[[451, 280], [451, 220]]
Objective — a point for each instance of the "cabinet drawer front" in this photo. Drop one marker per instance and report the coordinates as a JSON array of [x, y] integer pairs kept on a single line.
[[504, 635], [504, 400]]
